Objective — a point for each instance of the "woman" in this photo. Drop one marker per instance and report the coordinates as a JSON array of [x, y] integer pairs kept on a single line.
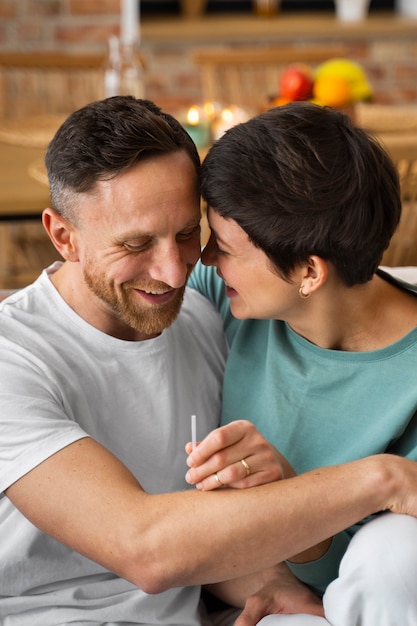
[[323, 344]]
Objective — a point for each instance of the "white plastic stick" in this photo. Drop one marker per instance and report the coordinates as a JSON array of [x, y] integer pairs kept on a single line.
[[193, 432]]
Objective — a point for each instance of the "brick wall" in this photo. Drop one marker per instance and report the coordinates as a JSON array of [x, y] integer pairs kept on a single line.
[[81, 25], [85, 25]]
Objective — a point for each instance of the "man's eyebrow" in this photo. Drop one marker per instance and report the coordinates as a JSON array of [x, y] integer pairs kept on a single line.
[[134, 235], [193, 223]]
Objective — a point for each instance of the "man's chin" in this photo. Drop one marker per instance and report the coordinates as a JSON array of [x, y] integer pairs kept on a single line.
[[154, 320]]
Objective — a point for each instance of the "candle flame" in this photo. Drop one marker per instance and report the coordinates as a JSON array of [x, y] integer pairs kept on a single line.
[[227, 115], [193, 116], [210, 110]]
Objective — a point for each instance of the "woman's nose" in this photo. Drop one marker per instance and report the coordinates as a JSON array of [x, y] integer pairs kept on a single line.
[[209, 254]]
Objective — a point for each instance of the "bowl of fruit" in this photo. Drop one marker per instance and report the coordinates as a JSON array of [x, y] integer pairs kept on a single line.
[[338, 83]]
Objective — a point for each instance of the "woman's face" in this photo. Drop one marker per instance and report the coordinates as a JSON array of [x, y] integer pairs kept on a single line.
[[253, 286]]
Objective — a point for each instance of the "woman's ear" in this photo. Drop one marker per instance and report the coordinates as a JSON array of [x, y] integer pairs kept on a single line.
[[315, 274], [62, 234]]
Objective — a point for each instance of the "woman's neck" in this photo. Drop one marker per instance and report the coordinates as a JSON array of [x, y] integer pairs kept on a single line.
[[357, 319]]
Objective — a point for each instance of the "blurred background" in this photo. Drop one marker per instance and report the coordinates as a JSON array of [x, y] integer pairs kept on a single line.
[[212, 63], [385, 43]]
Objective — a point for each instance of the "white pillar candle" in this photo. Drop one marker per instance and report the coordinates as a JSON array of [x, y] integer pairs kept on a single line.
[[352, 10], [129, 20]]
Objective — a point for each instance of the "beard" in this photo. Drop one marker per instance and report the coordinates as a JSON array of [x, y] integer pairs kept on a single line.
[[127, 306]]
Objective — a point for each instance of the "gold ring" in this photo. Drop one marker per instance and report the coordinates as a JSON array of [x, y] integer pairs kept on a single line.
[[246, 466], [218, 481]]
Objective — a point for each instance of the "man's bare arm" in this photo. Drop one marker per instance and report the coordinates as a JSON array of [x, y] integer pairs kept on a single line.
[[85, 498]]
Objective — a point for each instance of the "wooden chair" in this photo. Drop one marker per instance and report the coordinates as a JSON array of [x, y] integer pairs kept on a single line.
[[38, 83], [403, 247], [396, 127], [27, 250], [37, 91], [247, 76]]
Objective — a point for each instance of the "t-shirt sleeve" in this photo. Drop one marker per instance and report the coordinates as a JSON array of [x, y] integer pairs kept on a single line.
[[34, 424], [205, 280]]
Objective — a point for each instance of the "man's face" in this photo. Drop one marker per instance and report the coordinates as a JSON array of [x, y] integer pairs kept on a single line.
[[138, 238]]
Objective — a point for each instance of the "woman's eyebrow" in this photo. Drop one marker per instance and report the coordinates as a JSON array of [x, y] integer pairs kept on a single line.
[[218, 238]]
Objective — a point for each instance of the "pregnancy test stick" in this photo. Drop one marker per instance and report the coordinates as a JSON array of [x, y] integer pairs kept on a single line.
[[193, 432]]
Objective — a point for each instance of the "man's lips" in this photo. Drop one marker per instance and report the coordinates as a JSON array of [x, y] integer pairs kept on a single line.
[[156, 297]]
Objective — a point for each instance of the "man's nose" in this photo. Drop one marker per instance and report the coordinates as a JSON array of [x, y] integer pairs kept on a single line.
[[173, 264]]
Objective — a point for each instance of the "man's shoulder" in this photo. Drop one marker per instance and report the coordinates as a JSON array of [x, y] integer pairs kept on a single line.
[[198, 307], [197, 334], [199, 318]]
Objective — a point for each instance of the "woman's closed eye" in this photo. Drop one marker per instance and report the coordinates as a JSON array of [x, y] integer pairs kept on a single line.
[[218, 249]]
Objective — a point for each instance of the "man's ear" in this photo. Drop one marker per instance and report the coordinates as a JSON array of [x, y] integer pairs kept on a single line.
[[62, 234]]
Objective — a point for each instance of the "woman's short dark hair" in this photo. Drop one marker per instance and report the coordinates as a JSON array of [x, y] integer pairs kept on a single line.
[[300, 179], [105, 138]]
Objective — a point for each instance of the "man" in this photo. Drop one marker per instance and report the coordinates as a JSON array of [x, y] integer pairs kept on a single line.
[[101, 367]]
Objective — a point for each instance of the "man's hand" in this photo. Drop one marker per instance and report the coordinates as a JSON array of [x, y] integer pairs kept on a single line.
[[235, 455], [282, 594]]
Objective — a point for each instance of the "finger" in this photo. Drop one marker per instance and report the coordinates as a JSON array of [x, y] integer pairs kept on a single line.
[[225, 446], [265, 465], [236, 476], [222, 479], [220, 439], [238, 472], [230, 475], [189, 447], [211, 483], [253, 612]]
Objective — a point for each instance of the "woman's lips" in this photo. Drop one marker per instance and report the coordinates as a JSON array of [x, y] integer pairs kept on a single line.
[[230, 292]]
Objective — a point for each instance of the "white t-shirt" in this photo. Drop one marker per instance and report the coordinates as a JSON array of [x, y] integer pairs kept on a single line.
[[60, 379]]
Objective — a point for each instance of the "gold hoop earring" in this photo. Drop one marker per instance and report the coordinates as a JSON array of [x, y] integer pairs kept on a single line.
[[302, 294]]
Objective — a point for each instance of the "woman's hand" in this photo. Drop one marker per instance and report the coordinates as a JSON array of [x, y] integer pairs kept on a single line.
[[235, 455]]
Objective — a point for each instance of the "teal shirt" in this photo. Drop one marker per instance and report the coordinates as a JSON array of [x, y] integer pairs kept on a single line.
[[318, 407]]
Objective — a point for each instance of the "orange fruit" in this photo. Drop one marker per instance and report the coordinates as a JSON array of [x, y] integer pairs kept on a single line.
[[333, 91], [276, 102]]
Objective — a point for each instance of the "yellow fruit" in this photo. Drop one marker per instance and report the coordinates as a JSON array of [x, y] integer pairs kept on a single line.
[[349, 70], [361, 91], [332, 91]]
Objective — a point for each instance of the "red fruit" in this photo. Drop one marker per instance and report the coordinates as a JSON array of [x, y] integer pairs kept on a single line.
[[296, 83]]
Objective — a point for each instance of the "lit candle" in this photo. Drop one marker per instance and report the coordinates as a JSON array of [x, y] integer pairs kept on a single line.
[[198, 126], [129, 21], [227, 118]]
